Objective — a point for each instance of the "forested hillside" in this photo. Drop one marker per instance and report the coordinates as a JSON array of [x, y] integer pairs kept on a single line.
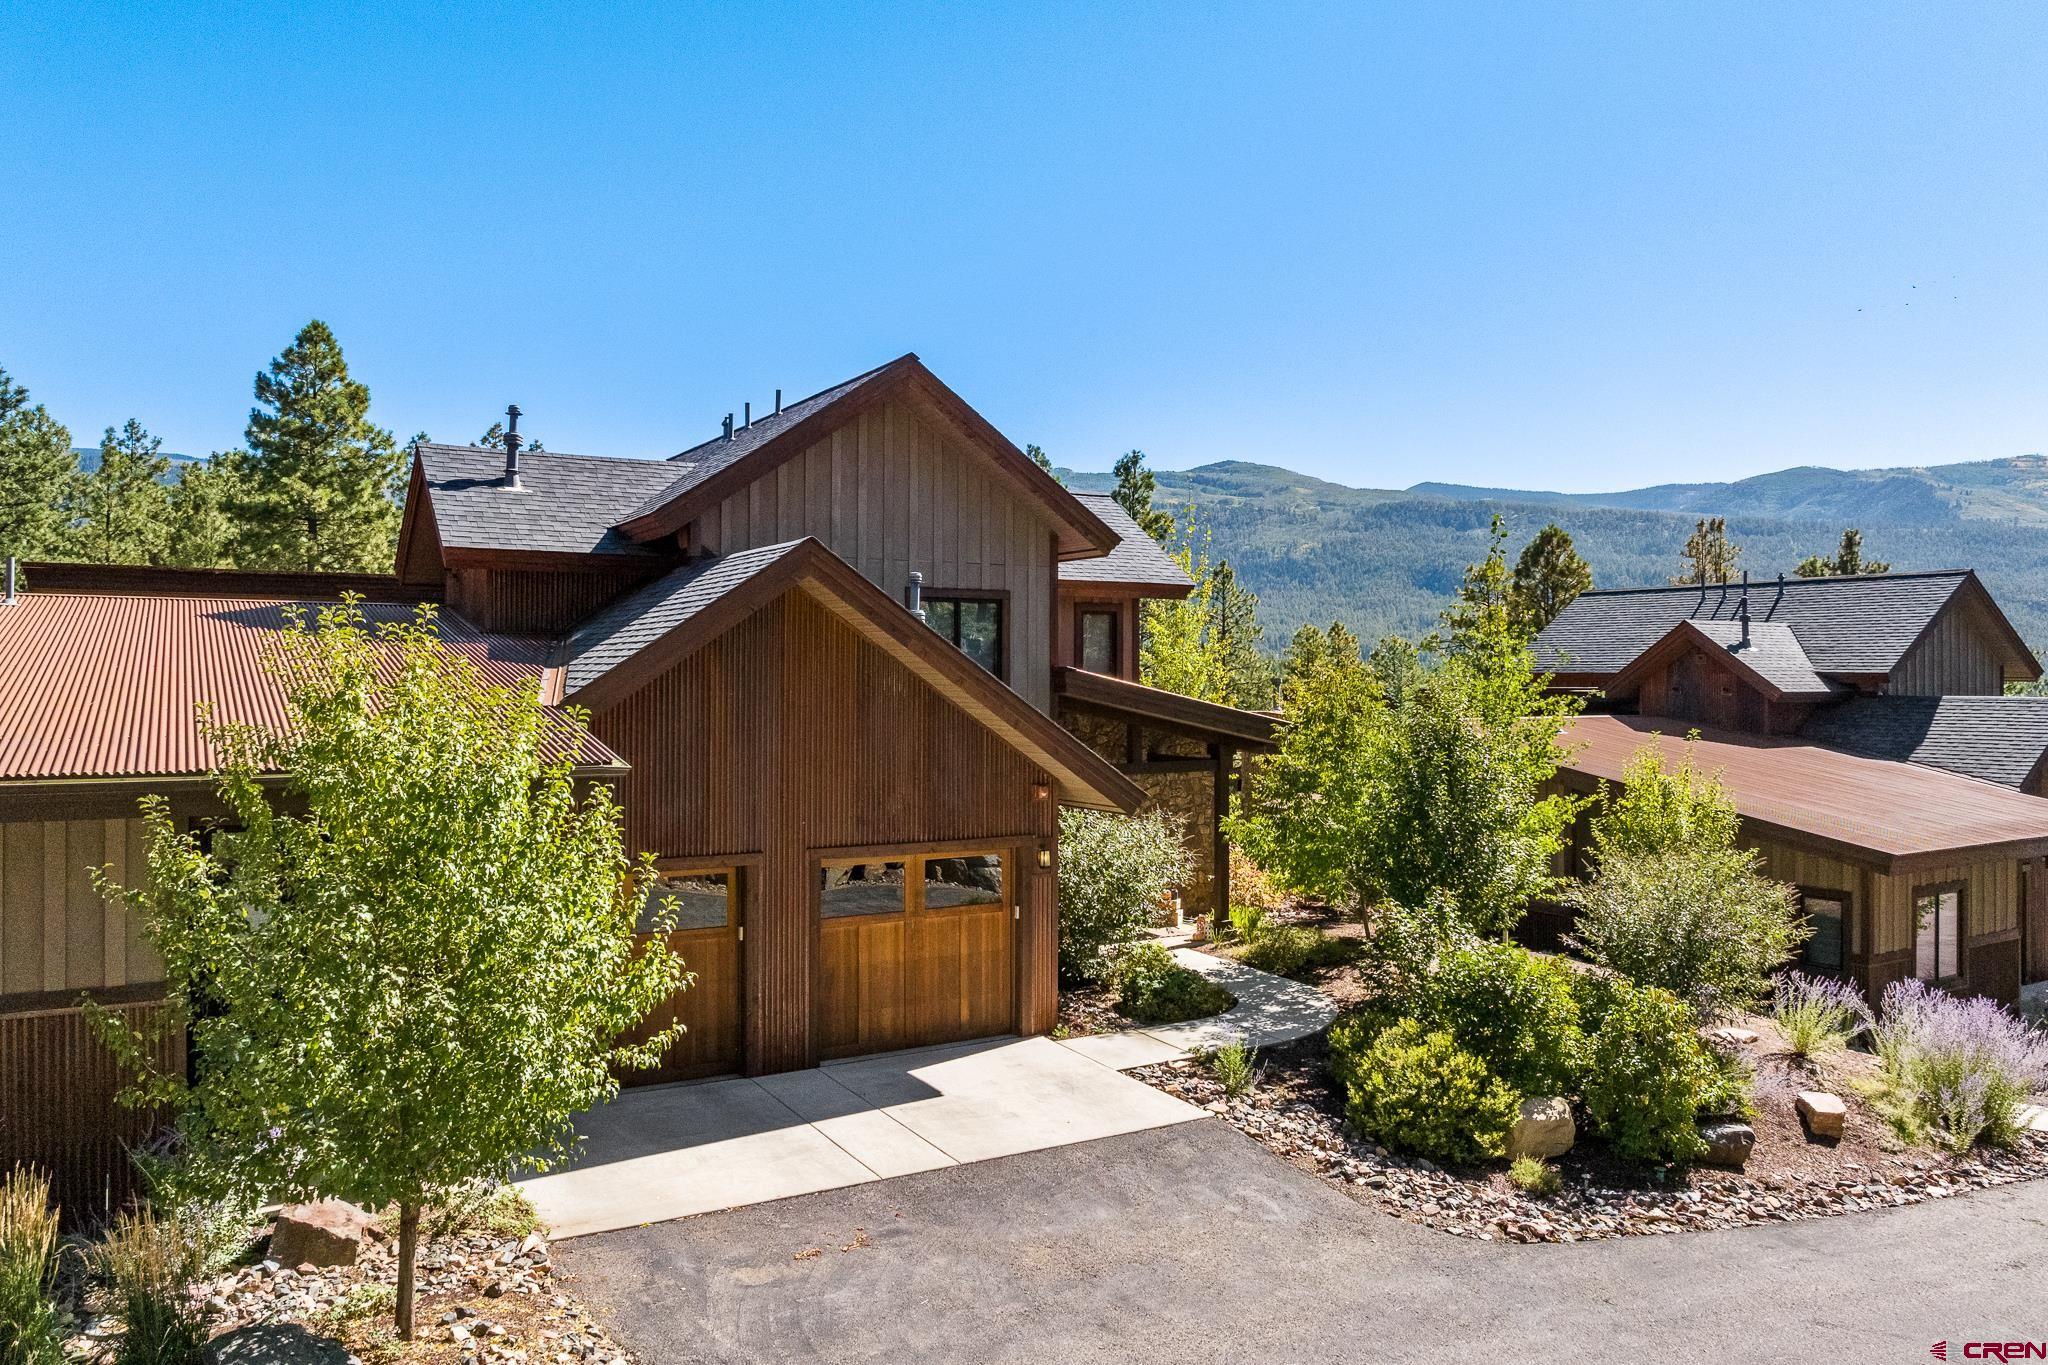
[[1386, 561]]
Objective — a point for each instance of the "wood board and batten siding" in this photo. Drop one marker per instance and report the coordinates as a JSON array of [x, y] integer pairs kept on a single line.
[[891, 491], [806, 743], [60, 940], [1960, 655]]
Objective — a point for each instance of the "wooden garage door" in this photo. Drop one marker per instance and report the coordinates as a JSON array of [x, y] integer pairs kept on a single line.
[[914, 950], [707, 938]]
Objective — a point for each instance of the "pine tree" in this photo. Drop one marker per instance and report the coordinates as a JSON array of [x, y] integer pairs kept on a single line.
[[321, 482], [1549, 574], [1710, 553], [37, 474], [1135, 488], [1039, 458], [203, 535], [120, 511], [1848, 559], [494, 435]]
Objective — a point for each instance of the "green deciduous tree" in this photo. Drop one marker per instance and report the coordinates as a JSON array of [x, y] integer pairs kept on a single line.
[[1115, 872], [37, 475], [120, 510], [1135, 489], [1548, 576], [1422, 778], [416, 962], [202, 533], [1674, 901], [1848, 559], [1206, 644], [1710, 556], [321, 481]]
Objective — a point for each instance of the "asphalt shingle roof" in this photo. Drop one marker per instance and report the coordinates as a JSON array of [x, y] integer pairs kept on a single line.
[[1861, 624], [1772, 652], [565, 504], [1137, 557], [643, 616], [1998, 739]]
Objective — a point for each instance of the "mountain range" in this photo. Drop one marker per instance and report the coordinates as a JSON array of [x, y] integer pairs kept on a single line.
[[1384, 561]]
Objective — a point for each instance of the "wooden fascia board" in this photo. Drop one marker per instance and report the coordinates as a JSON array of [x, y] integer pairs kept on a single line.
[[2029, 667], [1084, 590], [418, 506], [1204, 719]]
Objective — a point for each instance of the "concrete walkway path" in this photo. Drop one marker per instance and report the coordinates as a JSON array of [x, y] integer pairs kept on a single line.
[[672, 1151], [1270, 1010]]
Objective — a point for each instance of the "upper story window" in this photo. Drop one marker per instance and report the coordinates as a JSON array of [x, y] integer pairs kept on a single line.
[[1097, 647], [975, 624]]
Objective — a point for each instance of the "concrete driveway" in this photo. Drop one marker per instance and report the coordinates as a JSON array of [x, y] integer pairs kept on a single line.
[[673, 1151], [1191, 1243]]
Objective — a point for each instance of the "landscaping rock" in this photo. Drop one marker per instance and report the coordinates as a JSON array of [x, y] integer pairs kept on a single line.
[[1728, 1144], [1544, 1129], [327, 1233], [1732, 1036], [1822, 1113]]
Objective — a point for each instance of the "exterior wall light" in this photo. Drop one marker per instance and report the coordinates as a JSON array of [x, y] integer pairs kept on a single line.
[[1041, 791], [1044, 856]]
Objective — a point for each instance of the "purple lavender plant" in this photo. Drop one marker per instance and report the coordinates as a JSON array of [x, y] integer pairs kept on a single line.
[[1817, 1014], [1961, 1066]]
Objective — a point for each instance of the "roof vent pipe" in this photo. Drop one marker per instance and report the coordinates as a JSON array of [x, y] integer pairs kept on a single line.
[[728, 426], [778, 402], [750, 414], [1742, 608], [512, 445], [913, 594], [12, 596]]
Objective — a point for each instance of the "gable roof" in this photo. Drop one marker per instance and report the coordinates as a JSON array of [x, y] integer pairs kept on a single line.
[[1855, 625], [657, 625], [1771, 659], [565, 504], [113, 680], [1895, 816], [706, 473], [1997, 739], [1137, 561]]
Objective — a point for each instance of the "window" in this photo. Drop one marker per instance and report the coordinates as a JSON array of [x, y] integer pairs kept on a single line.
[[1827, 915], [975, 624], [861, 889], [973, 879], [703, 900], [1937, 917], [1098, 647]]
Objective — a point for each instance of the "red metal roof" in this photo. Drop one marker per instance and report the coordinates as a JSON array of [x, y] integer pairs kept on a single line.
[[102, 685], [1873, 808]]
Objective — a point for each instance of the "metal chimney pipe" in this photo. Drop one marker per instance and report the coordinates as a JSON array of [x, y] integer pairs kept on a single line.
[[750, 414], [13, 598], [512, 445], [1742, 607], [913, 594], [778, 402], [728, 426]]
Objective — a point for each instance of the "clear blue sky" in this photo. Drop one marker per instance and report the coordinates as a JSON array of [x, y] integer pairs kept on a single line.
[[1576, 247]]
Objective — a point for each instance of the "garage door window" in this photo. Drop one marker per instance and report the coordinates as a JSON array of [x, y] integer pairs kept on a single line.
[[703, 900], [861, 889], [976, 879]]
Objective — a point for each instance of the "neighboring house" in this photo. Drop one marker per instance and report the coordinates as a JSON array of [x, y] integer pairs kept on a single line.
[[1857, 724], [857, 808]]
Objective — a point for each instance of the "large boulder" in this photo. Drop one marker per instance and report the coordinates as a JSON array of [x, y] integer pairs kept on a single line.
[[1728, 1144], [274, 1343], [1822, 1113], [1544, 1129], [327, 1233]]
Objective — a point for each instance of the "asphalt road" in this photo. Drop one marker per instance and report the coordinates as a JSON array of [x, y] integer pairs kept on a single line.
[[1193, 1244]]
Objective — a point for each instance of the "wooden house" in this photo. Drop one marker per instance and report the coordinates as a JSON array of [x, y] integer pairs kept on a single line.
[[832, 658], [1858, 724]]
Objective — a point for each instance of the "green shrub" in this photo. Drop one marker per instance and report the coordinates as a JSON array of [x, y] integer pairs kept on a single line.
[[1534, 1176], [1730, 1091], [147, 1262], [1817, 1014], [1154, 989], [1420, 1092], [1294, 949], [1647, 1075], [1235, 1067], [1247, 922], [1114, 872], [29, 1331], [1509, 1007]]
